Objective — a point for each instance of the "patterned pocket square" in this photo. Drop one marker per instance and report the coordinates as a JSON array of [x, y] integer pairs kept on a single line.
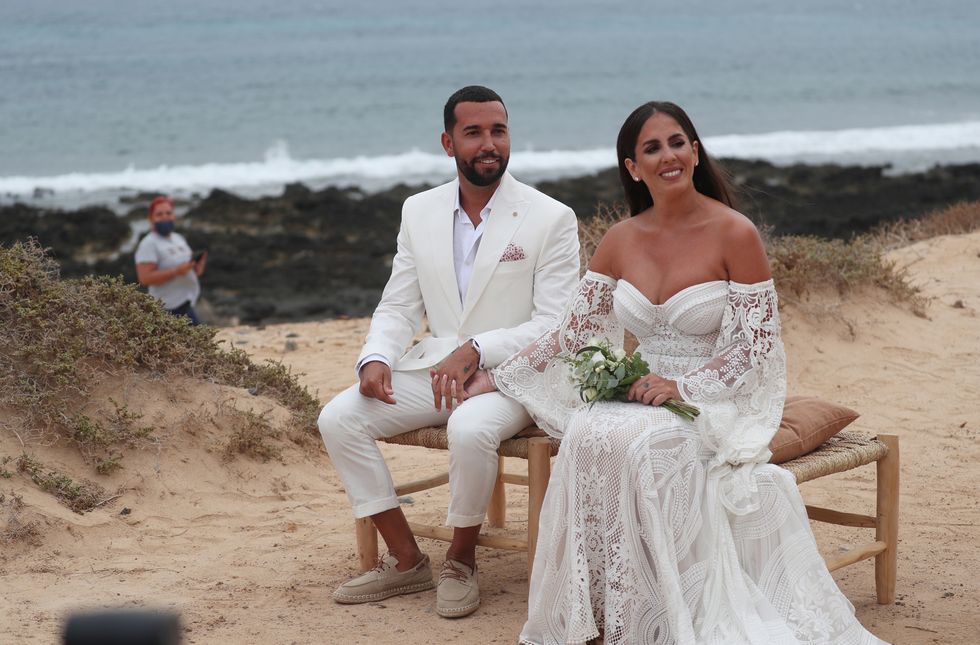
[[513, 253]]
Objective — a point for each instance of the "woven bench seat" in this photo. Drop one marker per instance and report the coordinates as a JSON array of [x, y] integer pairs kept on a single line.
[[436, 438], [847, 450]]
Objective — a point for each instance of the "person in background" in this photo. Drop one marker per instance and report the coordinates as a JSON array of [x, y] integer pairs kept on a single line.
[[166, 265]]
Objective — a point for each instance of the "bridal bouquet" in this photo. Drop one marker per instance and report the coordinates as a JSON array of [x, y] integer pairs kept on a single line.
[[606, 374]]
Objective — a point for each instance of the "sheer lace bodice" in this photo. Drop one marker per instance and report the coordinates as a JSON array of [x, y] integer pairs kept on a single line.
[[679, 335], [662, 531]]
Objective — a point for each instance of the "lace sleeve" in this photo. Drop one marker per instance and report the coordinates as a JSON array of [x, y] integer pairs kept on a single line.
[[741, 390], [538, 377]]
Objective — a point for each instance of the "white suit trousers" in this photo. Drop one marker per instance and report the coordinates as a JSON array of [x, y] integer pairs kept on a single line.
[[352, 423]]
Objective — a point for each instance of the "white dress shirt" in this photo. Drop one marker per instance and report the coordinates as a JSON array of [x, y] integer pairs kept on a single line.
[[466, 243]]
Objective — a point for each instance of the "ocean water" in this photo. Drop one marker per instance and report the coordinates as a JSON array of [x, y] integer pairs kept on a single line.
[[101, 98]]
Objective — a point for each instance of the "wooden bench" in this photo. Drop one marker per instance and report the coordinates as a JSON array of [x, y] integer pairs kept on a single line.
[[845, 451]]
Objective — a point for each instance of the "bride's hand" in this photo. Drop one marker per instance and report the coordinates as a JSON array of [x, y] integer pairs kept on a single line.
[[480, 383], [653, 390]]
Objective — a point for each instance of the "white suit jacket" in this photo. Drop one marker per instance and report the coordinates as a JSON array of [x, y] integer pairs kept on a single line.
[[525, 270]]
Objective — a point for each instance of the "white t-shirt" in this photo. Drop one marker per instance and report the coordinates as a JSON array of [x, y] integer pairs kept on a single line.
[[166, 253]]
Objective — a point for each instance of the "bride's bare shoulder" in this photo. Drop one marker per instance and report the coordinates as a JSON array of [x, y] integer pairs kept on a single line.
[[745, 253], [610, 249]]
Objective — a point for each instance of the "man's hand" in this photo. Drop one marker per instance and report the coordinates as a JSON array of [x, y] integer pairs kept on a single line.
[[449, 377], [376, 382]]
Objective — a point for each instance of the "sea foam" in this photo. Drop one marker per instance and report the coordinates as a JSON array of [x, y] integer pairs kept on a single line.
[[876, 145]]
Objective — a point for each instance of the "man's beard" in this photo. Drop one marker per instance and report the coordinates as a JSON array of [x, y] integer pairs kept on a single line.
[[475, 177]]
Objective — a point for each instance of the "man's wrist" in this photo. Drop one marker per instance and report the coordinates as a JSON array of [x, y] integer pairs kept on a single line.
[[479, 351]]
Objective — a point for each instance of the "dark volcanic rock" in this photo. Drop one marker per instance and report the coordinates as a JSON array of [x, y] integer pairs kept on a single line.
[[80, 236], [302, 254], [307, 254]]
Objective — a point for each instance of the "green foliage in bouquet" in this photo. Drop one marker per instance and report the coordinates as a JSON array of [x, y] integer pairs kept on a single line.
[[602, 373]]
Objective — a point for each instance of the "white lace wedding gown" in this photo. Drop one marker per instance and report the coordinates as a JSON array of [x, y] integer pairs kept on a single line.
[[661, 531]]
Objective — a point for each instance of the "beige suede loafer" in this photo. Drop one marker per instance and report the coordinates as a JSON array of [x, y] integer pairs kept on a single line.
[[385, 581], [458, 593]]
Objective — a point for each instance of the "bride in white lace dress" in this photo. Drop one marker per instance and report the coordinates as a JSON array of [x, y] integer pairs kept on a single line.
[[656, 529]]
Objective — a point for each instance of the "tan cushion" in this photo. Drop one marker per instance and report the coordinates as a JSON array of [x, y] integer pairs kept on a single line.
[[807, 423]]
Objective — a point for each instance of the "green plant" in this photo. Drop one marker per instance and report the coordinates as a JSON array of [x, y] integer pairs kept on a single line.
[[251, 437], [95, 439], [78, 496], [109, 464]]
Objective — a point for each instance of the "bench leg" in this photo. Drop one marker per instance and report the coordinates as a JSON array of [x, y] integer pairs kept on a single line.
[[886, 524], [538, 474], [367, 543], [497, 512]]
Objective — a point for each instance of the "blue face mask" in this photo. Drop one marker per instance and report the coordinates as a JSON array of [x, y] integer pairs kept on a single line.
[[164, 227]]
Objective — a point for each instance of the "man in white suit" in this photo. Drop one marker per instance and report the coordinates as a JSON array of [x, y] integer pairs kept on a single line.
[[490, 263]]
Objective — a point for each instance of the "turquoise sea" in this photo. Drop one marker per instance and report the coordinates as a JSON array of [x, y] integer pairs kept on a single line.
[[101, 98]]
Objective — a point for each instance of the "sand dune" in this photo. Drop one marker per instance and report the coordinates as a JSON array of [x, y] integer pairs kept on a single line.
[[248, 552]]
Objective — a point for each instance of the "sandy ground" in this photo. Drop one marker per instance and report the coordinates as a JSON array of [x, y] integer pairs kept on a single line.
[[248, 552]]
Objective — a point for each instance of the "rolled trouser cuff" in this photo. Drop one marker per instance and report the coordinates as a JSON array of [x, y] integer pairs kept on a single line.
[[458, 521], [367, 509]]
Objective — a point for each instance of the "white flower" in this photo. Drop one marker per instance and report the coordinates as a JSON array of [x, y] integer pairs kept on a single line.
[[593, 342], [597, 358], [620, 354]]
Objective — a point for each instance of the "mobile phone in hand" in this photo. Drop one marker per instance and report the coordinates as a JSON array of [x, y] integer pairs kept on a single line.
[[196, 257]]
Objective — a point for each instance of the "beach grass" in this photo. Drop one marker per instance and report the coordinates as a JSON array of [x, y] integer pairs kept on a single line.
[[963, 217]]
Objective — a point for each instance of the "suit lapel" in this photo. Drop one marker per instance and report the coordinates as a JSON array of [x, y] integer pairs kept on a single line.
[[505, 218], [441, 247]]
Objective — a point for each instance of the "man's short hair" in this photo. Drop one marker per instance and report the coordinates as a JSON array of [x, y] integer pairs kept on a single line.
[[468, 94]]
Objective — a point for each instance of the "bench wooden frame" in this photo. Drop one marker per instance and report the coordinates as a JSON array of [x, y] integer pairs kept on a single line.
[[845, 451]]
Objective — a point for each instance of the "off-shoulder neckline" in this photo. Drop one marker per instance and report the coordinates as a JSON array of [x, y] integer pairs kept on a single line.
[[613, 282]]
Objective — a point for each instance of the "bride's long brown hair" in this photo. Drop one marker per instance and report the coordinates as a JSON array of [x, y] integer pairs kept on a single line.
[[710, 178]]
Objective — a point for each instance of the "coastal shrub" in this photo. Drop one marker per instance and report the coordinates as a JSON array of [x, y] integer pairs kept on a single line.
[[963, 217], [251, 437], [802, 264], [95, 439], [58, 338], [78, 496]]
